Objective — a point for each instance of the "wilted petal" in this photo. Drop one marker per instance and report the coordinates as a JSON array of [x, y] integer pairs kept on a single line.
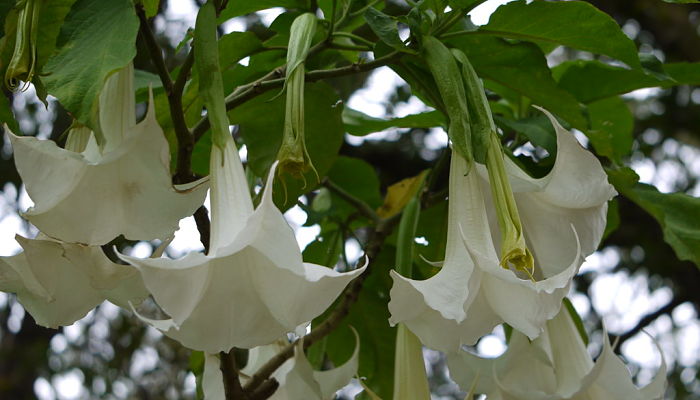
[[92, 197], [248, 292], [58, 283]]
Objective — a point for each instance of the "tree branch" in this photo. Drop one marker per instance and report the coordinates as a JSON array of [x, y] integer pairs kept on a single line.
[[649, 318], [232, 384], [360, 205], [185, 140], [252, 90]]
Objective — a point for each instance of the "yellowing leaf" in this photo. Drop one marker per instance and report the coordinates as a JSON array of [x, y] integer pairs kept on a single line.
[[398, 195]]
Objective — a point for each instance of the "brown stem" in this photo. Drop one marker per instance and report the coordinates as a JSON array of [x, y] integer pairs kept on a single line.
[[360, 205], [232, 384], [250, 91], [185, 140]]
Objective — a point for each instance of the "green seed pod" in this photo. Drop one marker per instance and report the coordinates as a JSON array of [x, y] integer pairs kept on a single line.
[[482, 124], [293, 156], [23, 62], [444, 68]]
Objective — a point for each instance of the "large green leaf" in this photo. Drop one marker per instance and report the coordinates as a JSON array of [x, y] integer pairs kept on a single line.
[[677, 213], [385, 27], [611, 128], [360, 124], [593, 80], [575, 24], [261, 123], [237, 8], [235, 46], [97, 38], [355, 176], [522, 68]]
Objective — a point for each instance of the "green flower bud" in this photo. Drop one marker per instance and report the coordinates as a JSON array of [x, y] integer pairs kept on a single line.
[[23, 62], [293, 156]]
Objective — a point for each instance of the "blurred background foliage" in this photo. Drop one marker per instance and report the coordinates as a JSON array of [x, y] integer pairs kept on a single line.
[[635, 282]]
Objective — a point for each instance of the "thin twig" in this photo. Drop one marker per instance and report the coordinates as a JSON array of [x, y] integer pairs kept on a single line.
[[250, 91], [185, 140], [649, 318], [360, 205]]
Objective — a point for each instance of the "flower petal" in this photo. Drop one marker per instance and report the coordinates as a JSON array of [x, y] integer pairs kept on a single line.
[[212, 378], [230, 197], [124, 193]]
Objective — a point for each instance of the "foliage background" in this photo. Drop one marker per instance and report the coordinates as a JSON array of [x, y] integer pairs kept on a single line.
[[634, 282]]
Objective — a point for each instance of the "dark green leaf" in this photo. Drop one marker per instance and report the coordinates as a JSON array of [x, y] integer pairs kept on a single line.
[[537, 129], [577, 320], [235, 46], [677, 213], [261, 123], [237, 8], [97, 38], [360, 124], [151, 7], [522, 68], [613, 218], [576, 24], [357, 177], [611, 128], [385, 27], [5, 7], [7, 116]]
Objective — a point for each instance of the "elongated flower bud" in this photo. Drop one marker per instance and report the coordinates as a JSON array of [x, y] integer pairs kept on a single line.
[[23, 62], [444, 68], [293, 156]]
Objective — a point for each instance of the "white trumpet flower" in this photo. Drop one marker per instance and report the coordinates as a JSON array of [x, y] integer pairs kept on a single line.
[[59, 283], [121, 187], [563, 218], [555, 366], [253, 286]]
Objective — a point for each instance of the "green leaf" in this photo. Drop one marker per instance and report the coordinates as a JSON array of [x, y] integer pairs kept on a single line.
[[355, 176], [522, 68], [237, 8], [97, 38], [235, 46], [385, 27], [677, 213], [263, 136], [578, 322], [537, 129], [360, 124], [151, 7], [7, 116], [5, 7], [575, 24], [612, 123]]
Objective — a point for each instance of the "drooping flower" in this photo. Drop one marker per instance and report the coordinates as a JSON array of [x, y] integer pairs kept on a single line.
[[58, 283], [563, 218], [253, 286], [296, 378], [555, 366], [22, 65], [122, 186]]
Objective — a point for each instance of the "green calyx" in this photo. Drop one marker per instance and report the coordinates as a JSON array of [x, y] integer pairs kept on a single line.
[[21, 67], [514, 251], [448, 78], [293, 156]]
